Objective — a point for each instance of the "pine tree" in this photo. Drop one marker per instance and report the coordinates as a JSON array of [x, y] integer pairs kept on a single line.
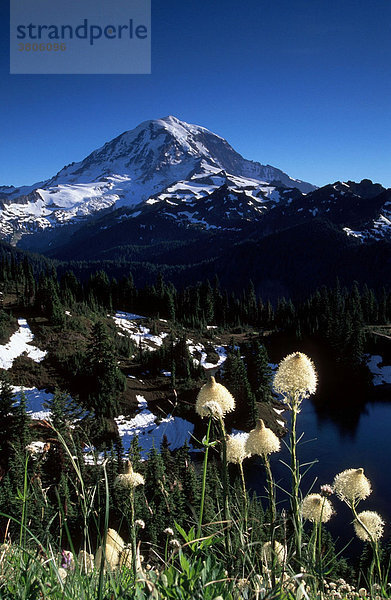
[[23, 421], [188, 478], [64, 411], [235, 379], [104, 377], [134, 454], [8, 419], [260, 374]]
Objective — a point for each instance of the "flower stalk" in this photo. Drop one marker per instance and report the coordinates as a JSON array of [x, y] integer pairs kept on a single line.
[[206, 443]]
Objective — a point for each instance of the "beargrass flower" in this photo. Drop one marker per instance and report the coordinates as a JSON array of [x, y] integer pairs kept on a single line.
[[211, 409], [140, 523], [62, 573], [214, 392], [352, 486], [262, 440], [316, 508], [295, 378], [129, 480], [85, 561], [114, 539], [168, 531], [111, 555], [35, 449], [236, 449], [272, 551], [125, 559], [369, 526], [326, 490]]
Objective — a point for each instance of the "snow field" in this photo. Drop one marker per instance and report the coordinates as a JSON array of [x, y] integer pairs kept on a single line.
[[144, 424], [19, 343], [127, 323], [35, 400], [150, 433], [138, 333], [220, 350]]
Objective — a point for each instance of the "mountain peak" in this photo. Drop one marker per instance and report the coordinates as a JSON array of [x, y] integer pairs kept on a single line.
[[137, 167]]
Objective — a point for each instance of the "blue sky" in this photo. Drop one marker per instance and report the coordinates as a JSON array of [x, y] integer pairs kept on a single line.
[[302, 85]]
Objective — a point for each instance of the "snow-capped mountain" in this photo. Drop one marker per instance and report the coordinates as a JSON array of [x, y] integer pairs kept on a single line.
[[157, 161], [165, 178]]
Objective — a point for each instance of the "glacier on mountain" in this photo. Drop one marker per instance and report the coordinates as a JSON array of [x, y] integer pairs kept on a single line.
[[158, 160]]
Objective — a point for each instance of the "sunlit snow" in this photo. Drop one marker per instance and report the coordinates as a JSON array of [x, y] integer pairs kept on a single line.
[[138, 333], [35, 400], [159, 159], [150, 430], [220, 351], [20, 342]]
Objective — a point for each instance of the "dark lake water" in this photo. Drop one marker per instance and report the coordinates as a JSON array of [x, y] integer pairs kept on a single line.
[[341, 441]]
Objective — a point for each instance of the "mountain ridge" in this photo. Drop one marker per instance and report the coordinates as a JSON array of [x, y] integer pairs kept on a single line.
[[136, 165]]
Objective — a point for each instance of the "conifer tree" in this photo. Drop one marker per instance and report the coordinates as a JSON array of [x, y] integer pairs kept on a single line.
[[259, 372], [188, 478], [134, 454], [104, 377], [8, 419], [236, 380], [22, 420]]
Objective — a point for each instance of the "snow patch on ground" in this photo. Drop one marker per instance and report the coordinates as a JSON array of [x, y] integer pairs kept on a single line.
[[356, 234], [220, 350], [150, 433], [127, 316], [138, 333], [35, 400], [19, 343], [381, 375], [238, 434], [145, 424]]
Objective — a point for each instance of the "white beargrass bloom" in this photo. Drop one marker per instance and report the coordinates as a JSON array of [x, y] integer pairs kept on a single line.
[[115, 540], [168, 531], [211, 409], [140, 523], [316, 508], [352, 485], [35, 449], [129, 480], [62, 573], [268, 553], [125, 559], [295, 378], [369, 526], [214, 392], [85, 561], [111, 554], [262, 440], [326, 490], [236, 449]]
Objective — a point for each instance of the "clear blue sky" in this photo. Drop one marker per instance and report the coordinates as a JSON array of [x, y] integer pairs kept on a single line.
[[304, 85]]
